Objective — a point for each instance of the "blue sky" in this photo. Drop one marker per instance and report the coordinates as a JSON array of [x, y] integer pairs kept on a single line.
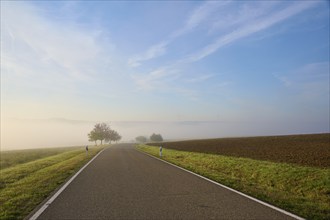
[[265, 63]]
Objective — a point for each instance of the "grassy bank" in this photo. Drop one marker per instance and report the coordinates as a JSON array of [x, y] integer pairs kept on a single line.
[[25, 185], [298, 189], [15, 157]]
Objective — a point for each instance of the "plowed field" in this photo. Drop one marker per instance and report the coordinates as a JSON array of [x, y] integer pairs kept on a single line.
[[307, 150]]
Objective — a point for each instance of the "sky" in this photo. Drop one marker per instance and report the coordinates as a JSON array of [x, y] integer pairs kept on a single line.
[[184, 69]]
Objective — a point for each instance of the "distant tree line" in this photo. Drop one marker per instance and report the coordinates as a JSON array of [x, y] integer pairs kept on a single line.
[[154, 138], [102, 132]]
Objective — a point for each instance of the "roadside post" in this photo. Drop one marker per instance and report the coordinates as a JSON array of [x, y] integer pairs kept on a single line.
[[160, 151]]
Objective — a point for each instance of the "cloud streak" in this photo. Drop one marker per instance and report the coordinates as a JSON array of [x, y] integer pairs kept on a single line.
[[156, 79], [311, 81], [200, 78], [251, 28], [250, 20], [196, 18], [153, 52], [48, 50]]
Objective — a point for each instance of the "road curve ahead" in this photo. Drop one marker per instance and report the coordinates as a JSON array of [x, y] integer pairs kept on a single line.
[[122, 183]]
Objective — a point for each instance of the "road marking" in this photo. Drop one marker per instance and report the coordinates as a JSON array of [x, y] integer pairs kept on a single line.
[[44, 207], [233, 190]]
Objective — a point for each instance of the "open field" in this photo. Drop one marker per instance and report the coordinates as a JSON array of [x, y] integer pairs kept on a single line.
[[299, 189], [307, 150], [25, 183]]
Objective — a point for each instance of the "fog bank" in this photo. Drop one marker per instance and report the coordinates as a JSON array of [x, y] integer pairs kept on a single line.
[[21, 134]]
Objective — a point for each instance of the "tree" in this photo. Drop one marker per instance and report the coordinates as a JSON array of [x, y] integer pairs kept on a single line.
[[98, 132], [109, 136], [141, 139], [92, 136], [116, 137], [156, 137], [112, 135], [102, 129], [103, 132]]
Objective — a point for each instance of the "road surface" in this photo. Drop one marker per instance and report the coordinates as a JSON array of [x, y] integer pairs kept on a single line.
[[122, 183]]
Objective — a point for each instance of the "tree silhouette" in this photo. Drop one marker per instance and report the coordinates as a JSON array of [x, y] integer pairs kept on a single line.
[[156, 137]]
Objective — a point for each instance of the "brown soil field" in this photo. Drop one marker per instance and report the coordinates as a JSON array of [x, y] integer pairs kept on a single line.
[[306, 150]]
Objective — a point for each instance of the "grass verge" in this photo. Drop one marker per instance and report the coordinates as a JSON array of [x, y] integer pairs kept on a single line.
[[299, 189], [15, 157], [24, 186]]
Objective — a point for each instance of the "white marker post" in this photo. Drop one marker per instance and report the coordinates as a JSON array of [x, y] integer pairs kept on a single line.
[[160, 151]]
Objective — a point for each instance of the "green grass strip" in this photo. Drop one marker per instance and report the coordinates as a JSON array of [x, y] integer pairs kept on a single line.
[[301, 190], [15, 157], [20, 195], [13, 174]]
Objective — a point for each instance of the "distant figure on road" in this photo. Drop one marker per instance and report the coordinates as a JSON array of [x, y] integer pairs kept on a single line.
[[160, 151]]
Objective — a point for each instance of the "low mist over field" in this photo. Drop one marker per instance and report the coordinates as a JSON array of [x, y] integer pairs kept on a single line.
[[182, 69], [24, 133]]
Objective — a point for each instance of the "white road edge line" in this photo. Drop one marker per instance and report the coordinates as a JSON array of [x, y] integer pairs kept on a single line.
[[226, 187], [44, 207]]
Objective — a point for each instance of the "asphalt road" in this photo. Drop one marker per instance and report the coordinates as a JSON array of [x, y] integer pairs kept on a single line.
[[123, 183]]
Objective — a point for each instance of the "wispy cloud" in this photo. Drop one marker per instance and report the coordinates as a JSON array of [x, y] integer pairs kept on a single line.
[[246, 13], [200, 78], [233, 26], [156, 79], [196, 18], [50, 52], [311, 81], [250, 28], [164, 80], [152, 52], [161, 77], [286, 82]]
